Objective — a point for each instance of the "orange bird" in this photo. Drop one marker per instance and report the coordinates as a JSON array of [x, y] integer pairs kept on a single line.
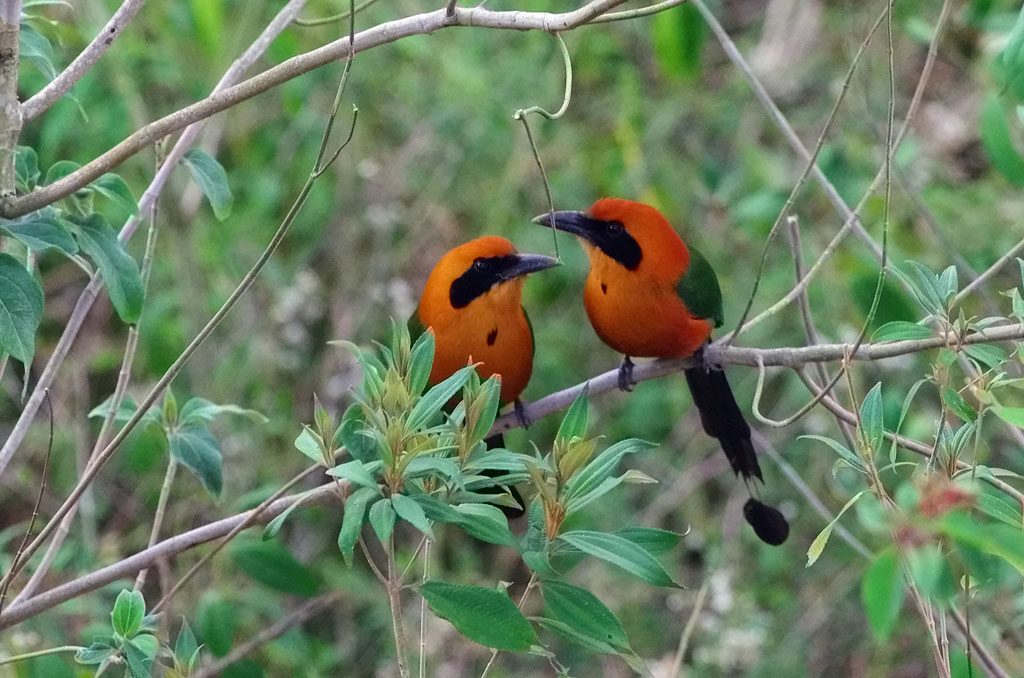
[[648, 294], [473, 302]]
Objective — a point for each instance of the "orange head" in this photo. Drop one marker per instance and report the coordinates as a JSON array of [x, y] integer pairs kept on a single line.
[[636, 262], [473, 303], [635, 236]]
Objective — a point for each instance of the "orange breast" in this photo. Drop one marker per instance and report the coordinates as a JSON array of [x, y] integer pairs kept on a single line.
[[492, 330], [643, 318]]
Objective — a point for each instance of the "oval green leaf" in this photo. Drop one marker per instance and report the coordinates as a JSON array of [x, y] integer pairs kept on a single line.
[[485, 616]]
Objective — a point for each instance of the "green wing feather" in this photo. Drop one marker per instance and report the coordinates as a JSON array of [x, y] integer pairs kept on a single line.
[[699, 290]]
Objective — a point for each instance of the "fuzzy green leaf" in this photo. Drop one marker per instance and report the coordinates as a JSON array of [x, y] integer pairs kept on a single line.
[[40, 231], [21, 309], [212, 179], [485, 616], [274, 566], [620, 552], [899, 330], [129, 609], [882, 593], [382, 519], [119, 270], [410, 511], [112, 186], [198, 450], [352, 522], [583, 612]]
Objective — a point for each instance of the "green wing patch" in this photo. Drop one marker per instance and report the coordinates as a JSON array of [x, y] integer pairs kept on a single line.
[[699, 290]]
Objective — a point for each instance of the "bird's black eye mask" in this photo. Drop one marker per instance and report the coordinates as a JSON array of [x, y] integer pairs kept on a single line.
[[485, 273], [610, 236]]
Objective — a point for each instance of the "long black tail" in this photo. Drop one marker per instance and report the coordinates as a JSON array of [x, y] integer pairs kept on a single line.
[[722, 419]]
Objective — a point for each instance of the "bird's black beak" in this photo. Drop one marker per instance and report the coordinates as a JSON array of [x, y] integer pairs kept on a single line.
[[577, 223], [523, 264]]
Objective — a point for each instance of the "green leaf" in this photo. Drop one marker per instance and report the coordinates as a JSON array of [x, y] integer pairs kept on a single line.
[[490, 393], [410, 511], [359, 446], [40, 230], [899, 330], [199, 410], [986, 354], [274, 526], [212, 179], [996, 538], [21, 309], [112, 186], [881, 592], [486, 523], [1011, 59], [1011, 415], [34, 47], [871, 417], [603, 465], [199, 451], [95, 653], [574, 425], [955, 402], [903, 414], [421, 359], [352, 522], [818, 545], [138, 662], [274, 566], [845, 453], [620, 552], [996, 140], [932, 574], [574, 635], [485, 616], [129, 609], [308, 445], [215, 621], [185, 647], [60, 169], [382, 519], [427, 407], [582, 611], [119, 270], [354, 472], [437, 510], [650, 539]]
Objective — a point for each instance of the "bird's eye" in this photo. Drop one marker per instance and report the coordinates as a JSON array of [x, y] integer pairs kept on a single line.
[[614, 227], [481, 265]]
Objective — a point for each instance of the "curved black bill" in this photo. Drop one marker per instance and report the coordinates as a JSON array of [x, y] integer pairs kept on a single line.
[[523, 264], [570, 221]]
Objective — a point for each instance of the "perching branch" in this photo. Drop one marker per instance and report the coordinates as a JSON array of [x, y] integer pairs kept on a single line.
[[60, 85], [717, 354], [382, 34], [125, 569]]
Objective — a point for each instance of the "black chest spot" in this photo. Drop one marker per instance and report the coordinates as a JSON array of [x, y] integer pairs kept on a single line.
[[604, 288], [492, 336]]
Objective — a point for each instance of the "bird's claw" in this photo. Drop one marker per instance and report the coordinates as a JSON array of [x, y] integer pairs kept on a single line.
[[626, 380], [700, 359]]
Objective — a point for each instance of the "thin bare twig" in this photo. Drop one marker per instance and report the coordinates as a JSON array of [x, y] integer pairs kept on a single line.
[[169, 547], [59, 86], [382, 34], [91, 291]]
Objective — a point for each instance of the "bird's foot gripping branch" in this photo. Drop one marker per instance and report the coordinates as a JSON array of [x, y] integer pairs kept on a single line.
[[416, 462]]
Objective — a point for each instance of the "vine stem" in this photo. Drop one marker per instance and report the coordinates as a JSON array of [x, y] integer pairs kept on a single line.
[[158, 519], [394, 589], [40, 653]]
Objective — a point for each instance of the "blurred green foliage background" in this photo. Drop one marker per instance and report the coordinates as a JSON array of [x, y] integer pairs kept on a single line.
[[658, 114]]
